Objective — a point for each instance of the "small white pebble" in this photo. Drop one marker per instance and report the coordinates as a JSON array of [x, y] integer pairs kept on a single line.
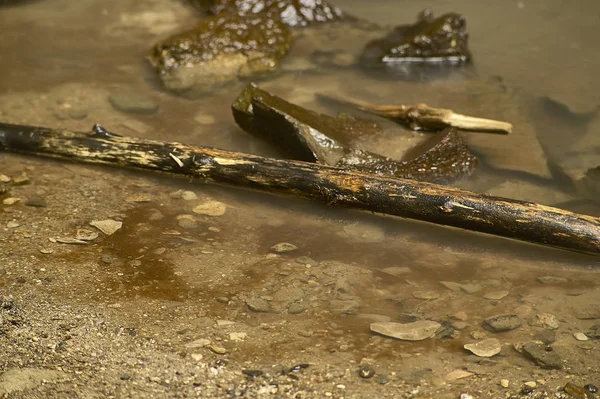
[[504, 383]]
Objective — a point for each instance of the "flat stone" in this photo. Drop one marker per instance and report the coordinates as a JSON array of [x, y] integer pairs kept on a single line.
[[589, 312], [397, 270], [11, 200], [70, 240], [552, 280], [544, 320], [344, 307], [579, 336], [204, 119], [108, 226], [452, 286], [86, 235], [415, 331], [458, 374], [187, 222], [36, 202], [283, 247], [305, 260], [545, 336], [199, 343], [365, 232], [12, 224], [21, 379], [132, 102], [500, 323], [593, 332], [4, 178], [189, 196], [462, 316], [373, 318], [238, 336], [219, 350], [495, 295], [471, 288], [543, 358], [296, 308], [486, 348], [258, 305], [210, 208], [427, 295]]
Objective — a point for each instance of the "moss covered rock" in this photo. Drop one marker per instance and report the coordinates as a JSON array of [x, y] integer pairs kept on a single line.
[[222, 49]]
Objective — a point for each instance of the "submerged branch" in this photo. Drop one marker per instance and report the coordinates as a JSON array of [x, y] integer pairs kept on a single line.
[[424, 117], [393, 196]]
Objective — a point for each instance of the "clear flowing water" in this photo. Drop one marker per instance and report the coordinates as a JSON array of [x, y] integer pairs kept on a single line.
[[535, 65]]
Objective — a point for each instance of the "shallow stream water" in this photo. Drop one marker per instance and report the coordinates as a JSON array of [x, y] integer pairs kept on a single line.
[[534, 65]]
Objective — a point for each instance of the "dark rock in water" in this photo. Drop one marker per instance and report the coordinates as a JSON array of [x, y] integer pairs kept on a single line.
[[546, 336], [133, 102], [221, 49], [308, 136], [291, 12], [431, 46], [542, 357], [366, 371], [503, 322], [593, 332], [36, 202]]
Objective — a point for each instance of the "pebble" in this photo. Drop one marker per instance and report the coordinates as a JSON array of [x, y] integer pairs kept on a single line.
[[187, 222], [504, 383], [132, 102], [21, 180], [415, 331], [500, 323], [544, 320], [552, 280], [471, 288], [496, 295], [219, 350], [222, 323], [238, 336], [46, 251], [296, 308], [452, 286], [71, 240], [593, 332], [345, 306], [108, 226], [36, 202], [11, 200], [86, 235], [523, 311], [462, 316], [579, 336], [283, 247], [199, 343], [105, 258], [210, 208], [258, 305], [197, 356], [366, 371], [78, 112], [546, 336], [189, 196], [4, 178], [589, 312], [138, 198], [305, 260], [427, 295], [486, 348], [543, 358], [204, 119], [397, 270], [458, 374], [12, 224]]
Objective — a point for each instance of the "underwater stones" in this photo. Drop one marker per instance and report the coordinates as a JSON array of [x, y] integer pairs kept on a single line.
[[486, 348], [221, 49], [210, 208], [308, 136], [108, 226], [290, 12], [415, 331], [501, 323], [541, 356], [133, 102], [430, 41], [544, 320]]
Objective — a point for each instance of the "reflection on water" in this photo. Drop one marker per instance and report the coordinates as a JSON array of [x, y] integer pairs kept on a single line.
[[534, 66]]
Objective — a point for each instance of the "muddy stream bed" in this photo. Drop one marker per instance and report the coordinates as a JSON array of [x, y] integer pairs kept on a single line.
[[192, 297]]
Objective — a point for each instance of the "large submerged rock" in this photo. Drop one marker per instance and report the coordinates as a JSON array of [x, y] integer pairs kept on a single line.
[[308, 136], [222, 49], [427, 47], [291, 12]]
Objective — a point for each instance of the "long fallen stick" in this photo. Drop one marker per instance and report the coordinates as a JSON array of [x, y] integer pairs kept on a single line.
[[400, 197]]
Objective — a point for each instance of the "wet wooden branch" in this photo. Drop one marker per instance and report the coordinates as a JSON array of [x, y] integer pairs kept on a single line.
[[400, 197], [424, 117]]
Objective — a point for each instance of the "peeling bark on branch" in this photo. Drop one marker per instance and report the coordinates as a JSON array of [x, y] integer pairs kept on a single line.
[[400, 197]]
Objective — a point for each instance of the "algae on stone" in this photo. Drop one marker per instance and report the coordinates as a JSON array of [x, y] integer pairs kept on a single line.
[[222, 49]]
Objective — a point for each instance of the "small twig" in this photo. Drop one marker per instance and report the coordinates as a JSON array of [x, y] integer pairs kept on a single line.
[[424, 117], [429, 202]]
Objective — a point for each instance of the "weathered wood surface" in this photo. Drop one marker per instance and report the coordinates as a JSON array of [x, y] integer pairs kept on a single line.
[[393, 196]]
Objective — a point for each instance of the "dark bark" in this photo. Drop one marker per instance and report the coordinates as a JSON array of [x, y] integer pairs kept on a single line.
[[393, 196]]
